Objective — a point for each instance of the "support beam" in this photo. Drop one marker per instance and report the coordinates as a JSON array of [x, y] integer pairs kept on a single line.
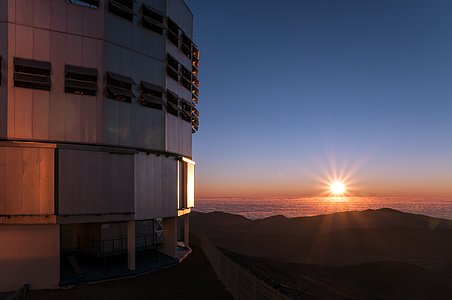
[[131, 245], [187, 230], [170, 236]]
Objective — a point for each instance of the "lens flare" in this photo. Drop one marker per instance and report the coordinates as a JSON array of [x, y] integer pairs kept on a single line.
[[337, 188]]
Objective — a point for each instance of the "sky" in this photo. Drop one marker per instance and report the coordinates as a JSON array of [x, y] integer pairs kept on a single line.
[[295, 93]]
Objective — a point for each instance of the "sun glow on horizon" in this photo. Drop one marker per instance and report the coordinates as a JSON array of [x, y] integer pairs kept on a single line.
[[337, 188]]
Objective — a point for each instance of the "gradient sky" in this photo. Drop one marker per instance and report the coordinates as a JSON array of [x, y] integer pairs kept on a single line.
[[295, 90]]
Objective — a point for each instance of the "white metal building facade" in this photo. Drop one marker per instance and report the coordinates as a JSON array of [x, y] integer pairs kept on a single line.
[[97, 111]]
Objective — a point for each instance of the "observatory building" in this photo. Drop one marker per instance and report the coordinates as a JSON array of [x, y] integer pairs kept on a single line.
[[97, 111]]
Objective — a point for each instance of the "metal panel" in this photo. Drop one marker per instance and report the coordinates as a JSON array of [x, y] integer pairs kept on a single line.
[[41, 13], [23, 113], [46, 180], [73, 50], [88, 121], [74, 19], [24, 41], [3, 176], [124, 123], [179, 13], [121, 182], [30, 179], [102, 182], [58, 15], [24, 12], [190, 184], [3, 11], [41, 44], [57, 96], [89, 53], [4, 76], [90, 23], [111, 121], [13, 201], [73, 117], [155, 186], [28, 187], [41, 106]]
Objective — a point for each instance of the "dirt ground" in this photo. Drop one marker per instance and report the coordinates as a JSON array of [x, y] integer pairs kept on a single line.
[[194, 278]]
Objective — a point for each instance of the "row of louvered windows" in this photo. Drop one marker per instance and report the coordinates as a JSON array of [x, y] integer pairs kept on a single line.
[[36, 74]]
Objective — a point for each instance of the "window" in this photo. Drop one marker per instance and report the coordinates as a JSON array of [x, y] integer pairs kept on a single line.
[[195, 57], [87, 3], [194, 98], [185, 72], [194, 71], [186, 45], [186, 77], [172, 103], [194, 124], [195, 81], [122, 8], [185, 83], [152, 20], [151, 95], [119, 87], [173, 32], [32, 74], [186, 110], [172, 68], [80, 80], [195, 90]]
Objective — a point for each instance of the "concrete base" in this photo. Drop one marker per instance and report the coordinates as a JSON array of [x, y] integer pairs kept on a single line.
[[29, 254]]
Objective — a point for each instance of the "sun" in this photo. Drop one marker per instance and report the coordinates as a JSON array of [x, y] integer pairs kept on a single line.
[[337, 188]]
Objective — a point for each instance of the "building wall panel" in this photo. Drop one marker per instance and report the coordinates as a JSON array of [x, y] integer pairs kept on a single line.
[[23, 113], [29, 254], [42, 13], [41, 109], [27, 188], [24, 42], [3, 176], [95, 182], [10, 130], [88, 119], [74, 19], [155, 186], [73, 117], [121, 167], [178, 135], [30, 180], [90, 24], [24, 12], [4, 72], [13, 167], [178, 11], [3, 10], [41, 44], [46, 180], [58, 15]]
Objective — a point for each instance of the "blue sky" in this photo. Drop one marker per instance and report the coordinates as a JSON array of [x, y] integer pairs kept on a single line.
[[292, 90]]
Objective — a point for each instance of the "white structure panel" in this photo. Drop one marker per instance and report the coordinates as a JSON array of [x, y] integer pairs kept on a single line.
[[94, 182], [26, 181], [178, 135], [155, 186]]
